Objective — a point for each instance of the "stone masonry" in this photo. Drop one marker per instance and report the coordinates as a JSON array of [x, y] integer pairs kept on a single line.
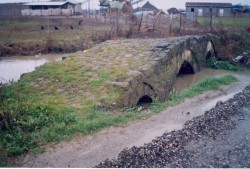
[[166, 56], [148, 67]]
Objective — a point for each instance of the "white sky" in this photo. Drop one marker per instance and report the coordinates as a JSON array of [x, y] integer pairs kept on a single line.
[[161, 4]]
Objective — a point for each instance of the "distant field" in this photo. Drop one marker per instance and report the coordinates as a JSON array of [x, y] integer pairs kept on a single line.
[[29, 29], [226, 21], [33, 35]]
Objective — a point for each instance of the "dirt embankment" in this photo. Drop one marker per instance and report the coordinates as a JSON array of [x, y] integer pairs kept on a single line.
[[91, 150], [49, 46]]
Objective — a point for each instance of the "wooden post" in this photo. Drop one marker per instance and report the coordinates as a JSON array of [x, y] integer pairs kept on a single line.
[[170, 26], [126, 19], [159, 25], [116, 23], [139, 28], [211, 18], [180, 19]]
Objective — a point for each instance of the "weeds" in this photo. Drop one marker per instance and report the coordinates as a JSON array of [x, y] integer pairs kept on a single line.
[[202, 86], [212, 62], [234, 41]]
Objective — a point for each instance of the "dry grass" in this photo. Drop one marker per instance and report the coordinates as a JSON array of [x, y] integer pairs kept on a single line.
[[26, 33], [24, 36]]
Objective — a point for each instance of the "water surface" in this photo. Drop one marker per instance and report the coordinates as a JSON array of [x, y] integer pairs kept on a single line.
[[11, 68], [185, 81]]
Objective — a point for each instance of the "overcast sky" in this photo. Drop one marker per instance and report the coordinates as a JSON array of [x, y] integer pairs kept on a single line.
[[161, 4]]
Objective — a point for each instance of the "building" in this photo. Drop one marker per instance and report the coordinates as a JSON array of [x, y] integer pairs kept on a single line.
[[10, 9], [173, 11], [54, 8], [194, 9], [147, 7]]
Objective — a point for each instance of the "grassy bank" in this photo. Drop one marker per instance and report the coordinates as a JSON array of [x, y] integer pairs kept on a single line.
[[225, 21], [34, 121]]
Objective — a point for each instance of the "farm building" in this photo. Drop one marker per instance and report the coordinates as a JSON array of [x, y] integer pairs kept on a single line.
[[147, 7], [10, 9], [52, 8], [194, 9]]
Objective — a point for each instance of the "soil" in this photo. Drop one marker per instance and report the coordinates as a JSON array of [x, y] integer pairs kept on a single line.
[[89, 151]]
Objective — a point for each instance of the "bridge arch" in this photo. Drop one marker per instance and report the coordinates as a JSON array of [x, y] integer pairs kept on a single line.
[[144, 100], [166, 59], [141, 93], [186, 68], [189, 63], [210, 51]]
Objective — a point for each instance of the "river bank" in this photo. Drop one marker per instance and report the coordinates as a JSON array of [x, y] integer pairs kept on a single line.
[[88, 151]]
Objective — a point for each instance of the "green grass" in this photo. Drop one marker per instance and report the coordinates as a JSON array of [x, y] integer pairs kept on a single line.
[[39, 120], [223, 65], [201, 87], [226, 21]]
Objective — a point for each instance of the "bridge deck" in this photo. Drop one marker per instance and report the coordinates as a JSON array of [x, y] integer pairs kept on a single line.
[[118, 73]]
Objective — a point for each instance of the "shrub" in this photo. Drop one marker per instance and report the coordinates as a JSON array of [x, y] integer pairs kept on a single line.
[[212, 62]]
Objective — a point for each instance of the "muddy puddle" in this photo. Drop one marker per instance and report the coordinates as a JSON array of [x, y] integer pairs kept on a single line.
[[11, 68]]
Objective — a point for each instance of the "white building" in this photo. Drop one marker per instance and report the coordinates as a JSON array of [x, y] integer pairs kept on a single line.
[[52, 8]]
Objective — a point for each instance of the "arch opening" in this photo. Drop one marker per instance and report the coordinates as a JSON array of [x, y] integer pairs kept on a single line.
[[186, 68], [144, 100]]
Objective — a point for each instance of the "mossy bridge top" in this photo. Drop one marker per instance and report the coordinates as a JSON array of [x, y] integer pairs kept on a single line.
[[122, 72]]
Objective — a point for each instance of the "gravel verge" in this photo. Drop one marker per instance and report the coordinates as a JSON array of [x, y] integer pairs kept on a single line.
[[219, 138]]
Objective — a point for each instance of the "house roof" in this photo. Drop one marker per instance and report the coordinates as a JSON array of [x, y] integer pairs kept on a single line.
[[173, 11], [149, 7], [207, 4], [45, 3], [74, 1], [51, 3]]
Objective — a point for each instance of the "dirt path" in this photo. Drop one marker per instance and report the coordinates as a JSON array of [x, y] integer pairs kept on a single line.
[[88, 151]]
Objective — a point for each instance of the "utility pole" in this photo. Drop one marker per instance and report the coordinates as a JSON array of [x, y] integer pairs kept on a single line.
[[180, 19]]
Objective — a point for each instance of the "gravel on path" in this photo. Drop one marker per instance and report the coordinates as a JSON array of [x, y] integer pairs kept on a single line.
[[219, 138]]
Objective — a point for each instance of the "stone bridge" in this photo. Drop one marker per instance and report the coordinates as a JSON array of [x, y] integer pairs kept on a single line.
[[163, 60], [140, 69]]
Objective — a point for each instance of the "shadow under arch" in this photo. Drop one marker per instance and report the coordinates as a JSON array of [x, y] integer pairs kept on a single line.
[[144, 100], [186, 68], [208, 55]]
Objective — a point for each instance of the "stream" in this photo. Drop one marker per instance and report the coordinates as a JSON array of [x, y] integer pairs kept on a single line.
[[11, 69]]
